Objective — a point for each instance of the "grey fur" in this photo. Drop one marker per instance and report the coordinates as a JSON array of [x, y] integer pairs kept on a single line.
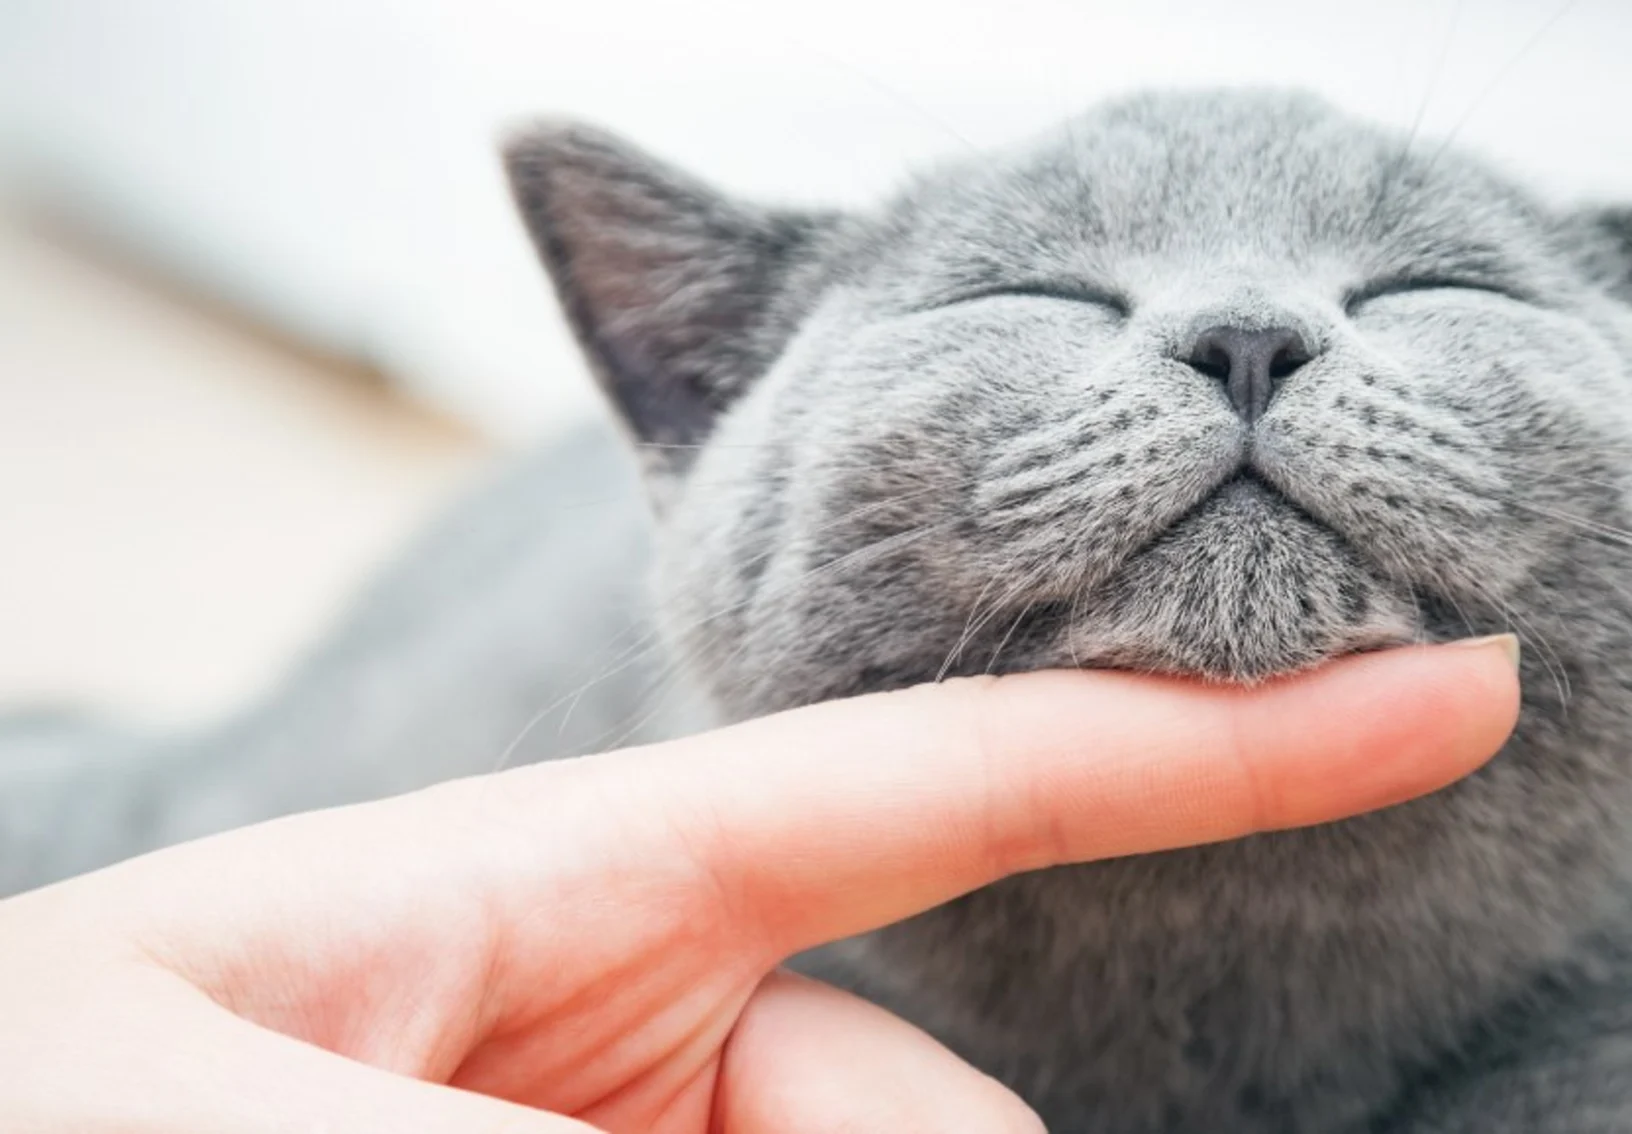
[[953, 436]]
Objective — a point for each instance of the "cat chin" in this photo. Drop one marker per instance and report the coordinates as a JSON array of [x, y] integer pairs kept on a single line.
[[1246, 588], [1224, 663]]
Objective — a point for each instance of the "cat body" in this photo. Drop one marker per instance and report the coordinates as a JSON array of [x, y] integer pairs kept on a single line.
[[1219, 384]]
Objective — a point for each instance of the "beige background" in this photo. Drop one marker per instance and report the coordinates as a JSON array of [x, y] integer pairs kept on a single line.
[[183, 500]]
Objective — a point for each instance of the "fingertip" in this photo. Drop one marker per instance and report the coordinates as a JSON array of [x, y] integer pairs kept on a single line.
[[1484, 693], [1463, 696], [1396, 724]]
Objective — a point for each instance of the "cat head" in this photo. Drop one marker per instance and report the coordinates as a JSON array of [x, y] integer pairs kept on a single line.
[[1211, 383]]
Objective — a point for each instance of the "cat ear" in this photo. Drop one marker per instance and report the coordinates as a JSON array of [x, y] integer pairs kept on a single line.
[[679, 296], [1602, 239]]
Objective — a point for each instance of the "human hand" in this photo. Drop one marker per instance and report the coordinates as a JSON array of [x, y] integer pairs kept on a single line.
[[594, 943]]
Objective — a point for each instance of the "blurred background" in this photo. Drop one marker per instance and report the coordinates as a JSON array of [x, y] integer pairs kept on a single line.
[[264, 306]]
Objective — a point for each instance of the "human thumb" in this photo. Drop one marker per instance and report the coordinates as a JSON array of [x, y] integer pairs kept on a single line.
[[210, 1070]]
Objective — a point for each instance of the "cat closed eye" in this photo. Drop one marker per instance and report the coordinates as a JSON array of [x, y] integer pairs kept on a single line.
[[1407, 285], [1102, 298]]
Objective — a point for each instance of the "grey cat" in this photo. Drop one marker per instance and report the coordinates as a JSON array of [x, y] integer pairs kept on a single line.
[[1220, 384]]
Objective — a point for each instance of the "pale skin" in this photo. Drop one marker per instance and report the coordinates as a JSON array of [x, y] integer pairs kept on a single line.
[[594, 944]]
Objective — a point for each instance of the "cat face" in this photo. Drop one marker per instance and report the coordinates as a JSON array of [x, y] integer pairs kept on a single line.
[[1220, 384]]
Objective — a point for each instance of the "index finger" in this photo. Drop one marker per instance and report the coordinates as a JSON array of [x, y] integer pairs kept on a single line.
[[831, 820]]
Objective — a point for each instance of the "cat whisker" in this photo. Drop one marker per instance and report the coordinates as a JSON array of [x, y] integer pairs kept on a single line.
[[648, 703], [1075, 614], [653, 640], [971, 630], [1550, 659], [1391, 174], [957, 649], [838, 521], [1500, 77], [1551, 474], [1003, 643], [1620, 537]]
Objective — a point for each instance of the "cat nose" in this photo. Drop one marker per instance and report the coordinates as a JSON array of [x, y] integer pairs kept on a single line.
[[1250, 365]]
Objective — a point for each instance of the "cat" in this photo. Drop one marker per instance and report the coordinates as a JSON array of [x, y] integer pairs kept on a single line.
[[1215, 383]]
